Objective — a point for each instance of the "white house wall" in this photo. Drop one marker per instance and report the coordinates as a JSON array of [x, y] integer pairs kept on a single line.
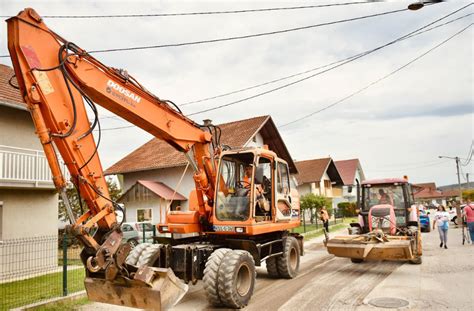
[[168, 176], [17, 129], [28, 213], [155, 203]]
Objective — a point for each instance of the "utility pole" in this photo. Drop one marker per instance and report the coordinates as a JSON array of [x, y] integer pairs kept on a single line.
[[458, 206], [467, 179]]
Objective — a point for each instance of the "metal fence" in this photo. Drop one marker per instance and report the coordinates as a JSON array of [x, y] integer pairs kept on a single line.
[[38, 269], [312, 222]]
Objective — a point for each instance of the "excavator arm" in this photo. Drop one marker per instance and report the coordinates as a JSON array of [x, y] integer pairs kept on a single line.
[[56, 79]]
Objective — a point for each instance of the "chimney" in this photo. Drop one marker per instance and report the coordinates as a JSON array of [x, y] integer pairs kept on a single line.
[[207, 122]]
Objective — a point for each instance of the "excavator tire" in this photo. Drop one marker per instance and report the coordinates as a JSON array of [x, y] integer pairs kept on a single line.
[[134, 255], [236, 279], [272, 268], [211, 273], [288, 263], [149, 255]]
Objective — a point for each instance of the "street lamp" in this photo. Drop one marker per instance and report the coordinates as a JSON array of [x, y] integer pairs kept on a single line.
[[419, 4], [458, 207]]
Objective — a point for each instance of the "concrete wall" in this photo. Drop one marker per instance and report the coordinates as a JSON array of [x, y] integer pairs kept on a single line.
[[17, 129], [168, 176], [30, 213]]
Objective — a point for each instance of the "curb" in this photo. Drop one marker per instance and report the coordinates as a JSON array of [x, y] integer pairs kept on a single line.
[[73, 296]]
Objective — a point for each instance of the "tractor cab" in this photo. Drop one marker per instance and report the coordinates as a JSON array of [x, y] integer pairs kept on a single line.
[[388, 227], [386, 204]]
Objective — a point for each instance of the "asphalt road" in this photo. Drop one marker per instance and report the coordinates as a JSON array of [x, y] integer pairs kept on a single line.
[[445, 280]]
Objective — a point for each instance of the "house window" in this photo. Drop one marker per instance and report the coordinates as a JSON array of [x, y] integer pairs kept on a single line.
[[327, 184], [144, 214]]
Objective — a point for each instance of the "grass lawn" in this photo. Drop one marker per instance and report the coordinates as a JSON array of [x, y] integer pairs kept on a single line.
[[24, 292], [64, 305], [312, 227]]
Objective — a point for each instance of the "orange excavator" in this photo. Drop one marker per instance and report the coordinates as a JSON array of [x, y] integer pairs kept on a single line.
[[235, 222]]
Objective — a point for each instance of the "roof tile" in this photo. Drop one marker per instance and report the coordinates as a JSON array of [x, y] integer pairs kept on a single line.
[[347, 169], [7, 92], [157, 154], [311, 170]]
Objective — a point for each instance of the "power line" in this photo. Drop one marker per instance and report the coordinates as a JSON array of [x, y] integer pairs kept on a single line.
[[411, 34], [247, 36], [345, 61], [205, 12], [262, 34], [378, 80], [469, 155], [316, 68]]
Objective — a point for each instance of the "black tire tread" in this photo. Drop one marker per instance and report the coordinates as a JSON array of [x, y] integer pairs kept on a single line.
[[226, 286], [283, 264], [149, 255], [272, 268], [133, 256], [211, 272]]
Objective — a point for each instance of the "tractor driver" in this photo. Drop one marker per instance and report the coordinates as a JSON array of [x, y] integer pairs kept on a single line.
[[384, 198]]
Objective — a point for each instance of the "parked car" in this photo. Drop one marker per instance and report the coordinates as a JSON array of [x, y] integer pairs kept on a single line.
[[133, 232], [425, 222]]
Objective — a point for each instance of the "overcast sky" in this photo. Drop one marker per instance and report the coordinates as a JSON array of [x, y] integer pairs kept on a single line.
[[396, 127]]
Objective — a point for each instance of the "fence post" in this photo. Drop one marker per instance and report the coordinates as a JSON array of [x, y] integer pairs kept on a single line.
[[304, 221], [65, 264], [143, 228]]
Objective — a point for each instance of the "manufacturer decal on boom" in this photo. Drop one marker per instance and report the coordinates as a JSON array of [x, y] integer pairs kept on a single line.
[[122, 93]]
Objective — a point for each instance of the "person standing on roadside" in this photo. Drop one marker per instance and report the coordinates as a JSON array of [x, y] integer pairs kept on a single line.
[[324, 216], [469, 213], [442, 221]]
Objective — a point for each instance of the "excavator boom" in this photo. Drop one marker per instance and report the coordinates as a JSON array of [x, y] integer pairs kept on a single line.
[[56, 79]]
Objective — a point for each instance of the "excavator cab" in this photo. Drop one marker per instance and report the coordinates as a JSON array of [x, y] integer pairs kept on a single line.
[[253, 187], [387, 227]]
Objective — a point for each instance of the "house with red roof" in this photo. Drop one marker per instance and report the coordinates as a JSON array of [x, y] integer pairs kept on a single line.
[[157, 165], [318, 176], [350, 170]]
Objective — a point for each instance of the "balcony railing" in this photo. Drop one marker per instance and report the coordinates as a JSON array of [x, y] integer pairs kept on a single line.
[[21, 167]]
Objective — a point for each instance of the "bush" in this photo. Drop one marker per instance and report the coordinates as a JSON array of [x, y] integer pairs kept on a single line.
[[347, 209]]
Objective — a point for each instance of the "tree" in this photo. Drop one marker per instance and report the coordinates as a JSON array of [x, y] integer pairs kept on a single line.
[[314, 203], [347, 209], [468, 194], [71, 192]]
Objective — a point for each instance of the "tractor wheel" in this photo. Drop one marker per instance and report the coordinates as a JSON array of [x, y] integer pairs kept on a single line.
[[236, 279], [272, 267], [149, 255], [416, 261], [288, 263], [356, 260], [132, 258], [211, 273]]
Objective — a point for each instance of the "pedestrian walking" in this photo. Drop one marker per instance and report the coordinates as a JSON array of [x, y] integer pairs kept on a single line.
[[469, 214], [442, 221], [324, 216]]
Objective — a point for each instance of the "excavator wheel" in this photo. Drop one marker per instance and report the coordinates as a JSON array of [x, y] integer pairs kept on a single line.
[[211, 273], [134, 255], [236, 279], [149, 255], [288, 263], [272, 267]]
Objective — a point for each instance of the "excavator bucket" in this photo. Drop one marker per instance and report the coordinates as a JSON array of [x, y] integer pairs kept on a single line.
[[151, 289], [359, 247]]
